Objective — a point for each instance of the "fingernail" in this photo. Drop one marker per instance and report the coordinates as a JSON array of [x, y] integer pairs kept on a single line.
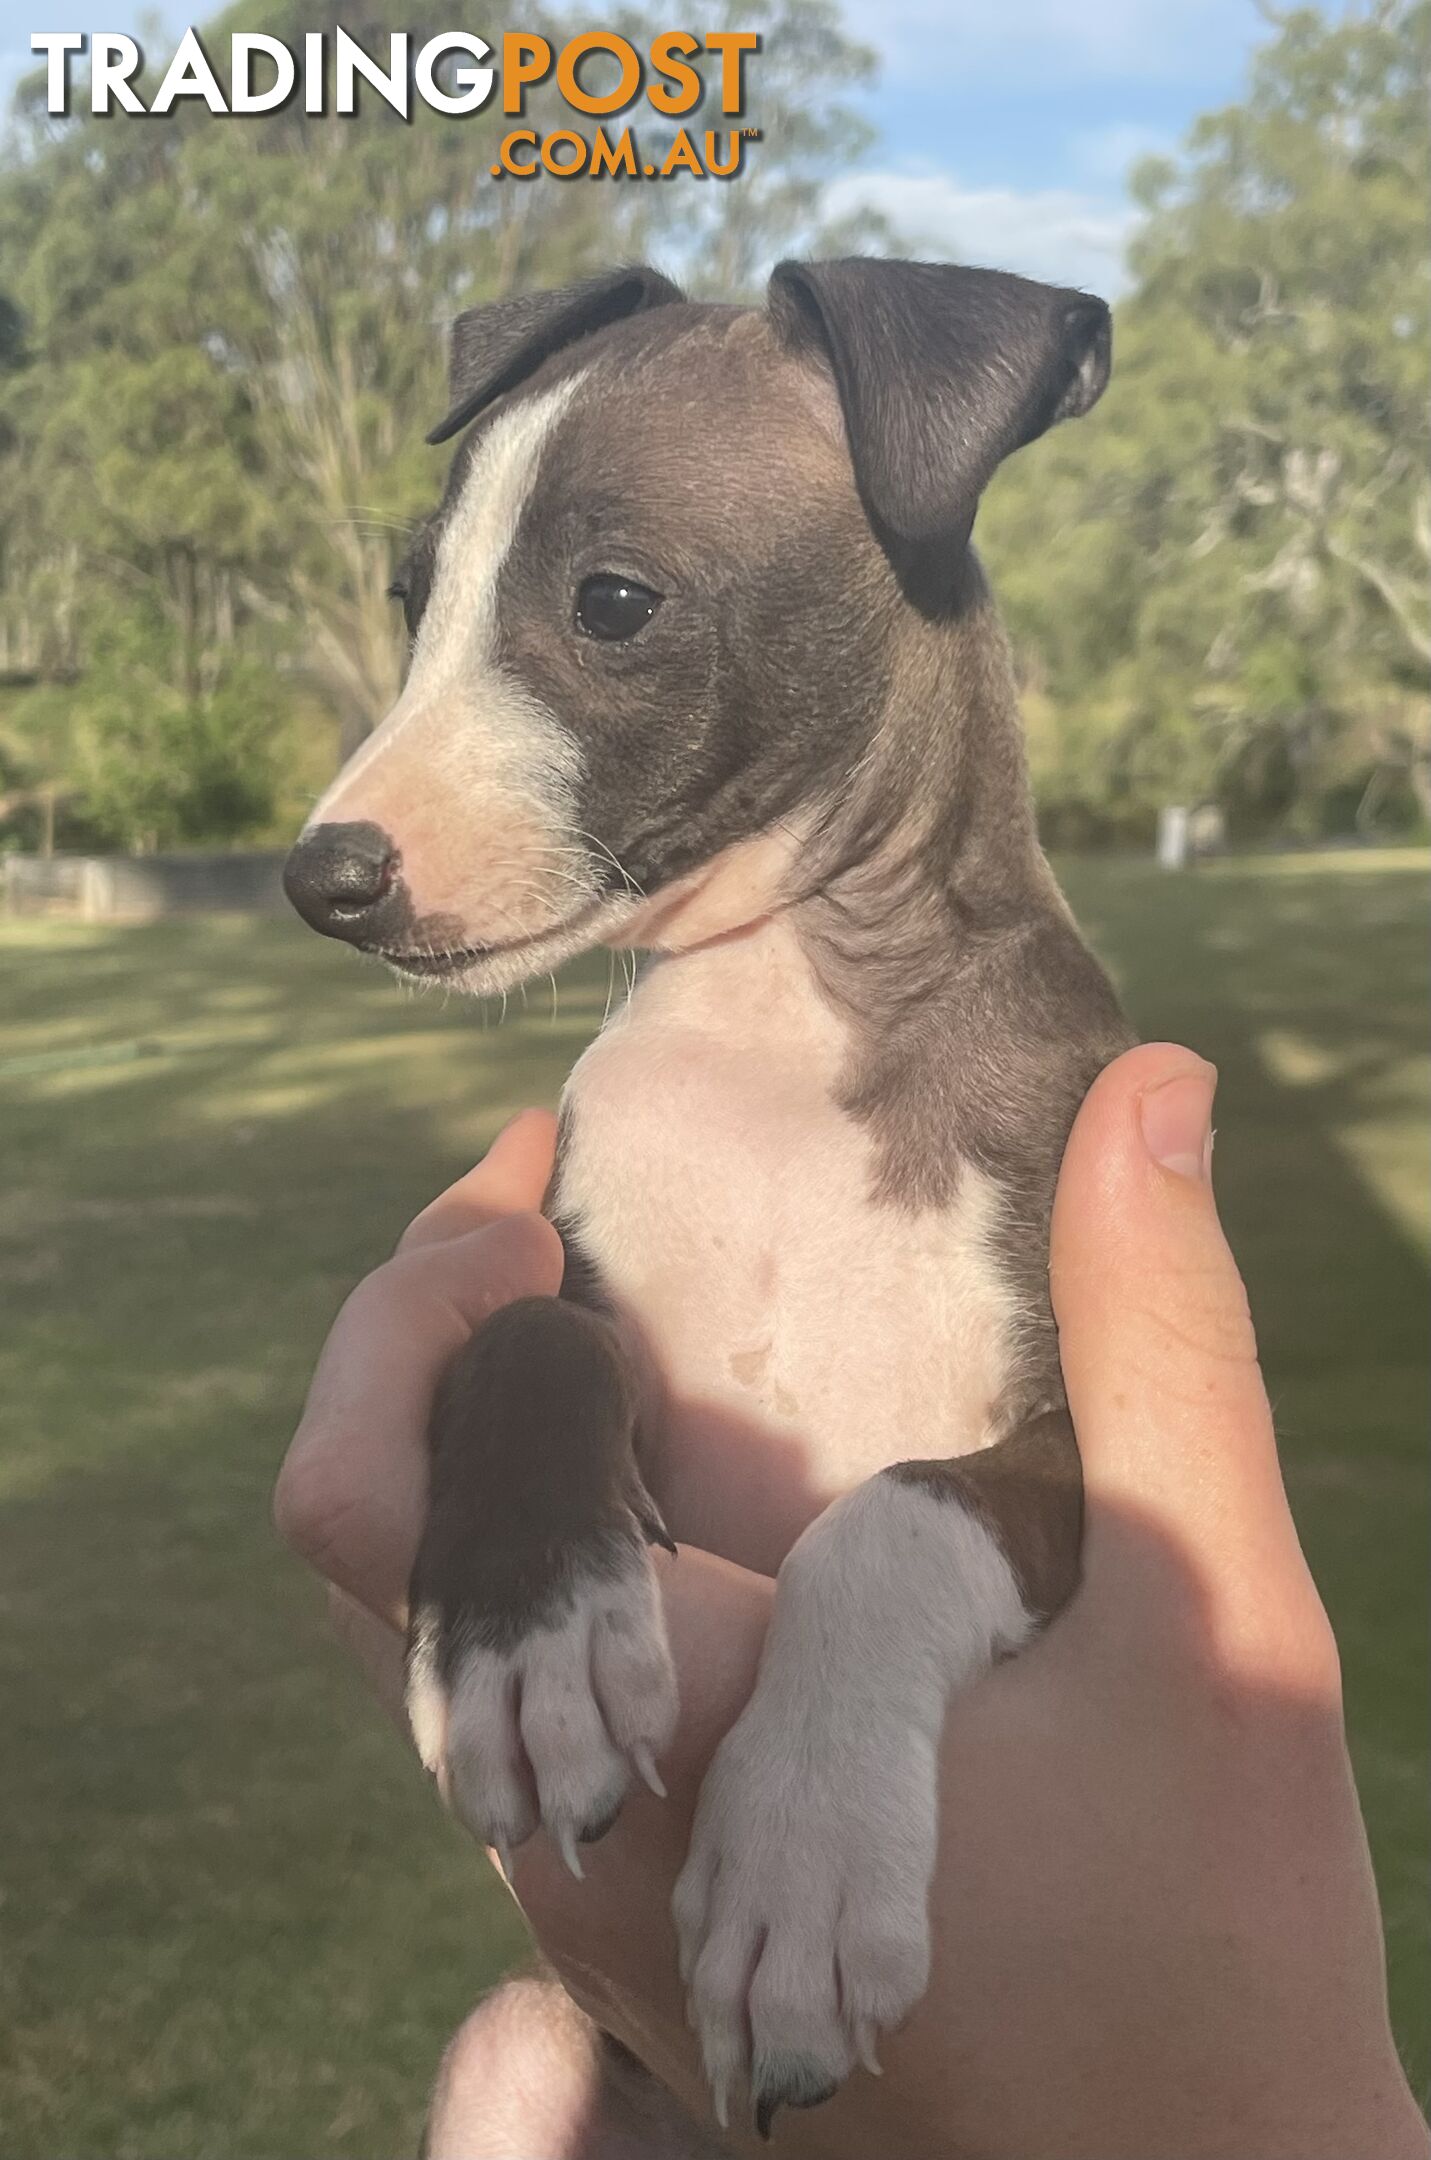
[[1177, 1123]]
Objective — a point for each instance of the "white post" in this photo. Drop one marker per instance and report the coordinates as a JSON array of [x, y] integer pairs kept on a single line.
[[96, 890], [1173, 837]]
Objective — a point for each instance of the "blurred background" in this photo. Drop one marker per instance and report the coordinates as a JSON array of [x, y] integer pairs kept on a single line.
[[234, 1924]]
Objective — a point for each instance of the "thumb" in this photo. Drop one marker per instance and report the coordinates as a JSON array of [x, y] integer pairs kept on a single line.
[[1159, 1357], [510, 1179]]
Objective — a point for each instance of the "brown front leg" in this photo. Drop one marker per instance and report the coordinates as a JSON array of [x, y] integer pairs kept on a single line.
[[539, 1675]]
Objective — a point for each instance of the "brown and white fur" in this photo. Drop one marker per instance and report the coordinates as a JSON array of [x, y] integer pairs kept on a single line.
[[805, 1173]]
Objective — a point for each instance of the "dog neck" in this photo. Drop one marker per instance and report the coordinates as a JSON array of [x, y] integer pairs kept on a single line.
[[933, 849], [926, 849]]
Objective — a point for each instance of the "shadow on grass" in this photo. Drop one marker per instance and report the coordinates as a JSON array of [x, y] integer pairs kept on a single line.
[[235, 1923], [212, 1949]]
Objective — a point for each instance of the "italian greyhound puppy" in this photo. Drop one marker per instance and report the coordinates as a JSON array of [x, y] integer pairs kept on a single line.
[[702, 663]]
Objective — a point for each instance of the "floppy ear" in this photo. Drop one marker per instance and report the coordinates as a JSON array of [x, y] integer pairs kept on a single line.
[[941, 373], [497, 346]]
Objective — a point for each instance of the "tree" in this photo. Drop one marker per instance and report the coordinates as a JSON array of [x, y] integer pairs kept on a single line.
[[231, 341], [1220, 582]]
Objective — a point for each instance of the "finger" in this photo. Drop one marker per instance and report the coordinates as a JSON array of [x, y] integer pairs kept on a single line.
[[526, 2074], [376, 1648], [1156, 1340], [352, 1491], [511, 1179]]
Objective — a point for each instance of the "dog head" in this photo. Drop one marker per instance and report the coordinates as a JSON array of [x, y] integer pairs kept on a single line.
[[654, 621]]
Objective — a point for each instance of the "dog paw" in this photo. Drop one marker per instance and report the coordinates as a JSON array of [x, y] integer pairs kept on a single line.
[[541, 1721], [801, 1912]]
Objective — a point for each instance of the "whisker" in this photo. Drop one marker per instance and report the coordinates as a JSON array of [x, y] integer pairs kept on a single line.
[[632, 884]]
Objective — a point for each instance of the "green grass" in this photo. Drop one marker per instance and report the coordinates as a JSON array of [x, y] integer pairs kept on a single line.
[[233, 1924]]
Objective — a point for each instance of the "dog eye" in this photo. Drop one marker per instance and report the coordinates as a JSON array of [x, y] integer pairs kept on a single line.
[[612, 608]]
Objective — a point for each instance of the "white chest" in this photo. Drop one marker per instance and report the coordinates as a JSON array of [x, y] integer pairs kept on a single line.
[[795, 1335]]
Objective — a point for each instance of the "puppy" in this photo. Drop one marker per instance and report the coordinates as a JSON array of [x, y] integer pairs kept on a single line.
[[703, 664]]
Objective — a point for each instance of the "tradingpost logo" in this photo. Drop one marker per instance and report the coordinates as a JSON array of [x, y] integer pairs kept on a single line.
[[645, 98]]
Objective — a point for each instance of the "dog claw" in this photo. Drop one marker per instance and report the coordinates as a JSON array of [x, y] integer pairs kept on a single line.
[[566, 1846], [720, 2103], [645, 1764], [865, 2047], [504, 1858]]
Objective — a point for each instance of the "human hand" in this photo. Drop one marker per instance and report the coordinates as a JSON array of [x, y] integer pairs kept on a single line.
[[1155, 1928]]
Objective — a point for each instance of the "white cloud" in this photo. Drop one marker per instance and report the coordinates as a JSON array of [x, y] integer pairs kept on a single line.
[[1110, 153], [1062, 234], [1043, 41]]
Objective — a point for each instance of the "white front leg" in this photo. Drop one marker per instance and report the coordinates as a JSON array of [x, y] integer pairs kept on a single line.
[[802, 1910]]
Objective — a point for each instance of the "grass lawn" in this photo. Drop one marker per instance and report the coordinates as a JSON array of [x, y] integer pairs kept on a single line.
[[234, 1926]]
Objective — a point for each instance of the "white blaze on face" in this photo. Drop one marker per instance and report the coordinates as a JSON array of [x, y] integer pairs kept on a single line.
[[471, 776]]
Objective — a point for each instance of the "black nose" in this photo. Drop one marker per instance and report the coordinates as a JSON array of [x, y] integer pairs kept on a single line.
[[343, 880]]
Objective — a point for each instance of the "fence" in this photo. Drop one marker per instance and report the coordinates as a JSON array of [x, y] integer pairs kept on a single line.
[[138, 888]]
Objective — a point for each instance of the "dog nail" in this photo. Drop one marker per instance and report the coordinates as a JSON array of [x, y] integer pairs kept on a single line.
[[646, 1770], [566, 1846]]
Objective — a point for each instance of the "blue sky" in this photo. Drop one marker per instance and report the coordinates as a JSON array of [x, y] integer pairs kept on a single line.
[[1007, 126]]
